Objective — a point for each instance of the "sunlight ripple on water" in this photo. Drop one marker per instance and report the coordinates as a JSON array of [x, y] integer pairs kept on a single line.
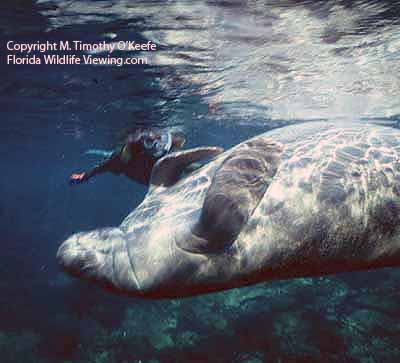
[[268, 60]]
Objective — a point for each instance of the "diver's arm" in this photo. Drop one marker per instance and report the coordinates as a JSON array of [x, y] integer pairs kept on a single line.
[[113, 164]]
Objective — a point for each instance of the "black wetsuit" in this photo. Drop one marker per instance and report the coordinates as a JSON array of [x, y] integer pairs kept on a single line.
[[138, 156], [138, 168]]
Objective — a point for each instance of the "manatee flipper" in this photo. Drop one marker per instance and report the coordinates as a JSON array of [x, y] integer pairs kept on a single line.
[[237, 187], [168, 169]]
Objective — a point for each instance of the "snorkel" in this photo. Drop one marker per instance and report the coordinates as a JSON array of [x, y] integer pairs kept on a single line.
[[152, 143], [159, 145]]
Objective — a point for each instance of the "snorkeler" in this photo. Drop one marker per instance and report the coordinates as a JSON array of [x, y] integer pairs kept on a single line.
[[136, 158]]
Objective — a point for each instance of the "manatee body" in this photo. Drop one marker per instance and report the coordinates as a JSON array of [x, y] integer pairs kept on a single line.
[[304, 200]]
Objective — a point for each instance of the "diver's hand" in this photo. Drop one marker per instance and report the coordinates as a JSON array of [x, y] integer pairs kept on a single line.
[[78, 178]]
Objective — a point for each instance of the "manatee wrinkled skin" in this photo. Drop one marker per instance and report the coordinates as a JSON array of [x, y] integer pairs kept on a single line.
[[305, 200]]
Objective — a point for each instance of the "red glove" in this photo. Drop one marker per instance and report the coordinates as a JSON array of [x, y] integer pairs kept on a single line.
[[78, 178]]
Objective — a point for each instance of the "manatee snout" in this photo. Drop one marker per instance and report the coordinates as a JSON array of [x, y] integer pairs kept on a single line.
[[90, 254], [76, 259]]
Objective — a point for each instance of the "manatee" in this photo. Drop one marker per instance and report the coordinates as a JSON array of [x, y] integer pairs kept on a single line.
[[304, 200]]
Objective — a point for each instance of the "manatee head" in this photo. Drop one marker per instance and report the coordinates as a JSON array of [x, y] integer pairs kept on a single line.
[[142, 257], [90, 255]]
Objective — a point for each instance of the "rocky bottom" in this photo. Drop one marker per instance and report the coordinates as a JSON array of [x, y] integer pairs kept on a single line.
[[344, 318]]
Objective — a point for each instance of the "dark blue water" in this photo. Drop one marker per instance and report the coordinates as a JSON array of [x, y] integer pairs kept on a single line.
[[224, 71]]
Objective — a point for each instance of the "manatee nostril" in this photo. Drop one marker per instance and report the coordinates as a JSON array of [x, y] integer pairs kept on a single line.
[[69, 256], [65, 253], [75, 258]]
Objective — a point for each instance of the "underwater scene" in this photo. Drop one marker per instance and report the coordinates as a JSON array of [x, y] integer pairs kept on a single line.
[[215, 73]]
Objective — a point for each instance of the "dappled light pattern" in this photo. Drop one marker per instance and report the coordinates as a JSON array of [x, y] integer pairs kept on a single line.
[[269, 59]]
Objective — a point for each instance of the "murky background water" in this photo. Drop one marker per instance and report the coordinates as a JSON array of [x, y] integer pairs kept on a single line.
[[224, 71]]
